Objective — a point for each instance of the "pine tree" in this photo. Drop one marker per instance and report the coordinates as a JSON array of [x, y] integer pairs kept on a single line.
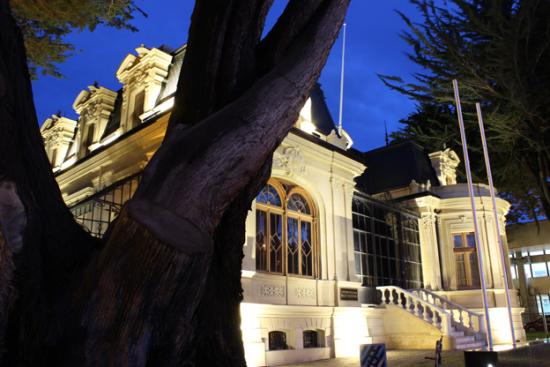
[[499, 50]]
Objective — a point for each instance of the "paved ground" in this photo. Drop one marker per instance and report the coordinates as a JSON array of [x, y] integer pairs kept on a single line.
[[533, 356]]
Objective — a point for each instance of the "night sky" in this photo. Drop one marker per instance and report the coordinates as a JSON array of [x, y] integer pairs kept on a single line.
[[373, 46]]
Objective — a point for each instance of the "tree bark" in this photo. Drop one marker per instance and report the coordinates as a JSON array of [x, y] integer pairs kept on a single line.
[[38, 273], [164, 289], [223, 293]]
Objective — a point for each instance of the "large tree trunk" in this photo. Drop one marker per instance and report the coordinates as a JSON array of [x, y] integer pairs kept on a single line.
[[42, 249], [164, 290]]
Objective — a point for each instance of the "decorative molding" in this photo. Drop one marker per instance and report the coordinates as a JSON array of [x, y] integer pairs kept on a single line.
[[416, 187], [290, 160], [272, 290], [302, 292], [428, 219]]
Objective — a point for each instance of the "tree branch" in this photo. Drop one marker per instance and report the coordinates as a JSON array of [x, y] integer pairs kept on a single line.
[[219, 63], [223, 151]]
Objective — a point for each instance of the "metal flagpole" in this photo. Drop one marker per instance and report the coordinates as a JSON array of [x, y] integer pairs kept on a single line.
[[474, 215], [342, 82], [497, 222]]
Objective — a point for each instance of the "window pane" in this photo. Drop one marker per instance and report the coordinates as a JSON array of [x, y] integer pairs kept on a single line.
[[457, 239], [471, 240], [298, 203], [513, 272], [269, 196], [292, 245], [460, 271], [276, 248], [307, 253], [358, 270], [536, 252], [527, 270], [545, 303], [261, 239], [539, 270]]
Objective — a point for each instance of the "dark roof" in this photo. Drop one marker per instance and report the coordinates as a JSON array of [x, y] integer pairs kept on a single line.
[[395, 166], [320, 114]]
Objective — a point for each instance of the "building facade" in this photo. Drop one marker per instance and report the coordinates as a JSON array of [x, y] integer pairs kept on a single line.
[[331, 223], [530, 266]]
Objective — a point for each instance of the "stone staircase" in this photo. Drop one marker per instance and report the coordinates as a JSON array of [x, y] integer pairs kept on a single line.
[[465, 328]]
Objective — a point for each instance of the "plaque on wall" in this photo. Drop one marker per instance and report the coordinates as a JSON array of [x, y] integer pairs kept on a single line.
[[348, 294]]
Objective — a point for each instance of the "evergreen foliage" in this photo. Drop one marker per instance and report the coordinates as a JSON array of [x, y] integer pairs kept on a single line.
[[45, 23], [499, 50]]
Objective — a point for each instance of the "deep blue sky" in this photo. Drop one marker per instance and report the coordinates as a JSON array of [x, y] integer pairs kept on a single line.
[[373, 46]]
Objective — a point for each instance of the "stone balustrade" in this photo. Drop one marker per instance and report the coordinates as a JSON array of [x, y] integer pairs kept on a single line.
[[417, 306], [462, 318]]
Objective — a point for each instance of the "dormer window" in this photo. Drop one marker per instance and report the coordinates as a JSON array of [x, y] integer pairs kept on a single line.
[[58, 133], [139, 102], [143, 75]]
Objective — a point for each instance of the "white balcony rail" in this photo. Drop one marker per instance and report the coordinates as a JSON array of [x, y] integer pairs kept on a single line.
[[462, 318]]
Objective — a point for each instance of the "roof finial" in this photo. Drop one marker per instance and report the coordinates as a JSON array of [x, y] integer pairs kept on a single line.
[[342, 81]]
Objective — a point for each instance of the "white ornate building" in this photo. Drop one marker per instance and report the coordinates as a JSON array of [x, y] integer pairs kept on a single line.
[[330, 219]]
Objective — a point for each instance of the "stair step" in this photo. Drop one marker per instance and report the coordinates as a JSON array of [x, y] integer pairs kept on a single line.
[[474, 345], [465, 339]]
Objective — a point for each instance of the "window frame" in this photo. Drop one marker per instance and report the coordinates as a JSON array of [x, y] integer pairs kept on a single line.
[[285, 190], [466, 251]]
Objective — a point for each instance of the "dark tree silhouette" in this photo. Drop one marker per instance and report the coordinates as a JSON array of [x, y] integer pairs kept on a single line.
[[162, 288]]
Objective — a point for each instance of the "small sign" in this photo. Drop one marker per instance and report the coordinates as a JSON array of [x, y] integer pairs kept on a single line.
[[373, 355], [348, 294]]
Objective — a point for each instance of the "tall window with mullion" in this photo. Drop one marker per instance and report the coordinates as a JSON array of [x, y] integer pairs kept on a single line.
[[269, 231], [467, 270], [285, 235]]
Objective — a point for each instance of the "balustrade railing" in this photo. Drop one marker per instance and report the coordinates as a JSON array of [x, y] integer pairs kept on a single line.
[[410, 302], [462, 318]]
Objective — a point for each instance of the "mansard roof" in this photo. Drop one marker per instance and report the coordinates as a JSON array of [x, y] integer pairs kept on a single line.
[[395, 166], [320, 115], [322, 119]]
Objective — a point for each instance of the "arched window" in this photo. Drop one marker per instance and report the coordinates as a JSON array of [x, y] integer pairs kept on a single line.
[[277, 340], [285, 233]]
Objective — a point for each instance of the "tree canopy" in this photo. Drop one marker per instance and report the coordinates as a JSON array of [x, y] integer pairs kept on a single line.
[[499, 50], [45, 23]]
